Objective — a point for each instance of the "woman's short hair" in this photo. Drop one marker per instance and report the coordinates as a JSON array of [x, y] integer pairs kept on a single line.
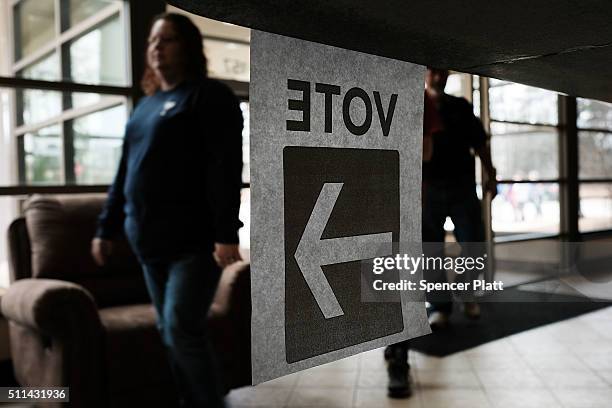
[[191, 39]]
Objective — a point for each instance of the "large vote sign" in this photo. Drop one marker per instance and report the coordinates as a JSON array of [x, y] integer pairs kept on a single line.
[[336, 141]]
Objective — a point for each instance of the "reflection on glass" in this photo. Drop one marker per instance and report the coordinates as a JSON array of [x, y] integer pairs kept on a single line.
[[228, 60], [35, 25], [79, 10], [246, 177], [43, 156], [521, 103], [98, 57], [518, 151], [595, 207], [526, 208], [46, 68], [98, 138], [595, 149], [594, 114]]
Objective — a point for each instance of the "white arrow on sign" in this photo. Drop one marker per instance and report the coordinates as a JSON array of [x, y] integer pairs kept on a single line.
[[313, 252]]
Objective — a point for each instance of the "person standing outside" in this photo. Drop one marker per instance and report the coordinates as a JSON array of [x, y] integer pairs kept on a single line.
[[452, 135], [176, 196]]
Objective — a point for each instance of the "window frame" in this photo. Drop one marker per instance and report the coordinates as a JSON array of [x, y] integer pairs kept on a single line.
[[590, 180], [486, 118], [111, 95], [568, 179]]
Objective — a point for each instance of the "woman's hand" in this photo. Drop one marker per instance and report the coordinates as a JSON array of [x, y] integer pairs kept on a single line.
[[101, 249], [226, 254]]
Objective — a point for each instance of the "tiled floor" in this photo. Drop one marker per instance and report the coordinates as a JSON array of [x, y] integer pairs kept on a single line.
[[567, 364]]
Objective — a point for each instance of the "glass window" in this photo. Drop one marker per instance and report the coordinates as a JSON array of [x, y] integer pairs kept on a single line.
[[7, 143], [8, 205], [453, 85], [8, 212], [521, 103], [595, 150], [595, 207], [95, 54], [244, 106], [594, 114], [47, 68], [524, 152], [36, 105], [522, 208], [244, 233], [79, 10], [43, 156], [98, 138], [34, 25], [98, 57], [80, 99], [476, 103]]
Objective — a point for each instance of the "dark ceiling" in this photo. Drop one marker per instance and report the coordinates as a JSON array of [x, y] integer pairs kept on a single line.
[[562, 45]]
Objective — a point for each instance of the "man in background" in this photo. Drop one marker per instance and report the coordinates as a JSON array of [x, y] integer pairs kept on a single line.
[[452, 136]]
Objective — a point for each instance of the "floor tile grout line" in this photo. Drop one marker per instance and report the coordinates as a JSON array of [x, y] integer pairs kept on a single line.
[[578, 356], [356, 383], [604, 379], [526, 361], [293, 387], [482, 387], [599, 334], [417, 384]]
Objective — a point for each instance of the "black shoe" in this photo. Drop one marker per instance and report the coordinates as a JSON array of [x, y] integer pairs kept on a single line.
[[399, 380], [398, 369], [471, 310]]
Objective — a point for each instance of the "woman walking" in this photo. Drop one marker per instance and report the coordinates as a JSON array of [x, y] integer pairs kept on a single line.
[[176, 196]]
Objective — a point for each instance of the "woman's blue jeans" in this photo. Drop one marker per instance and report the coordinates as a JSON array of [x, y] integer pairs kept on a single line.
[[182, 291]]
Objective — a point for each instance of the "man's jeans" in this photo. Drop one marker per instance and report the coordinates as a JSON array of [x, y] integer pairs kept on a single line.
[[182, 291], [460, 203]]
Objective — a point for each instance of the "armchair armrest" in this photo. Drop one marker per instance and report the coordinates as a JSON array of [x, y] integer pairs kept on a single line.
[[57, 339], [233, 294], [53, 307]]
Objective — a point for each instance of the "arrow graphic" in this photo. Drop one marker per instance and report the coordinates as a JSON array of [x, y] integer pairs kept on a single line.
[[313, 252]]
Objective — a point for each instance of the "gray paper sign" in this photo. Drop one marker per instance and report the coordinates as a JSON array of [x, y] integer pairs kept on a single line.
[[335, 180]]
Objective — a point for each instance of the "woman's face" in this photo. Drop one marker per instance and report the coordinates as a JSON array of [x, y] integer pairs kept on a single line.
[[165, 51]]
